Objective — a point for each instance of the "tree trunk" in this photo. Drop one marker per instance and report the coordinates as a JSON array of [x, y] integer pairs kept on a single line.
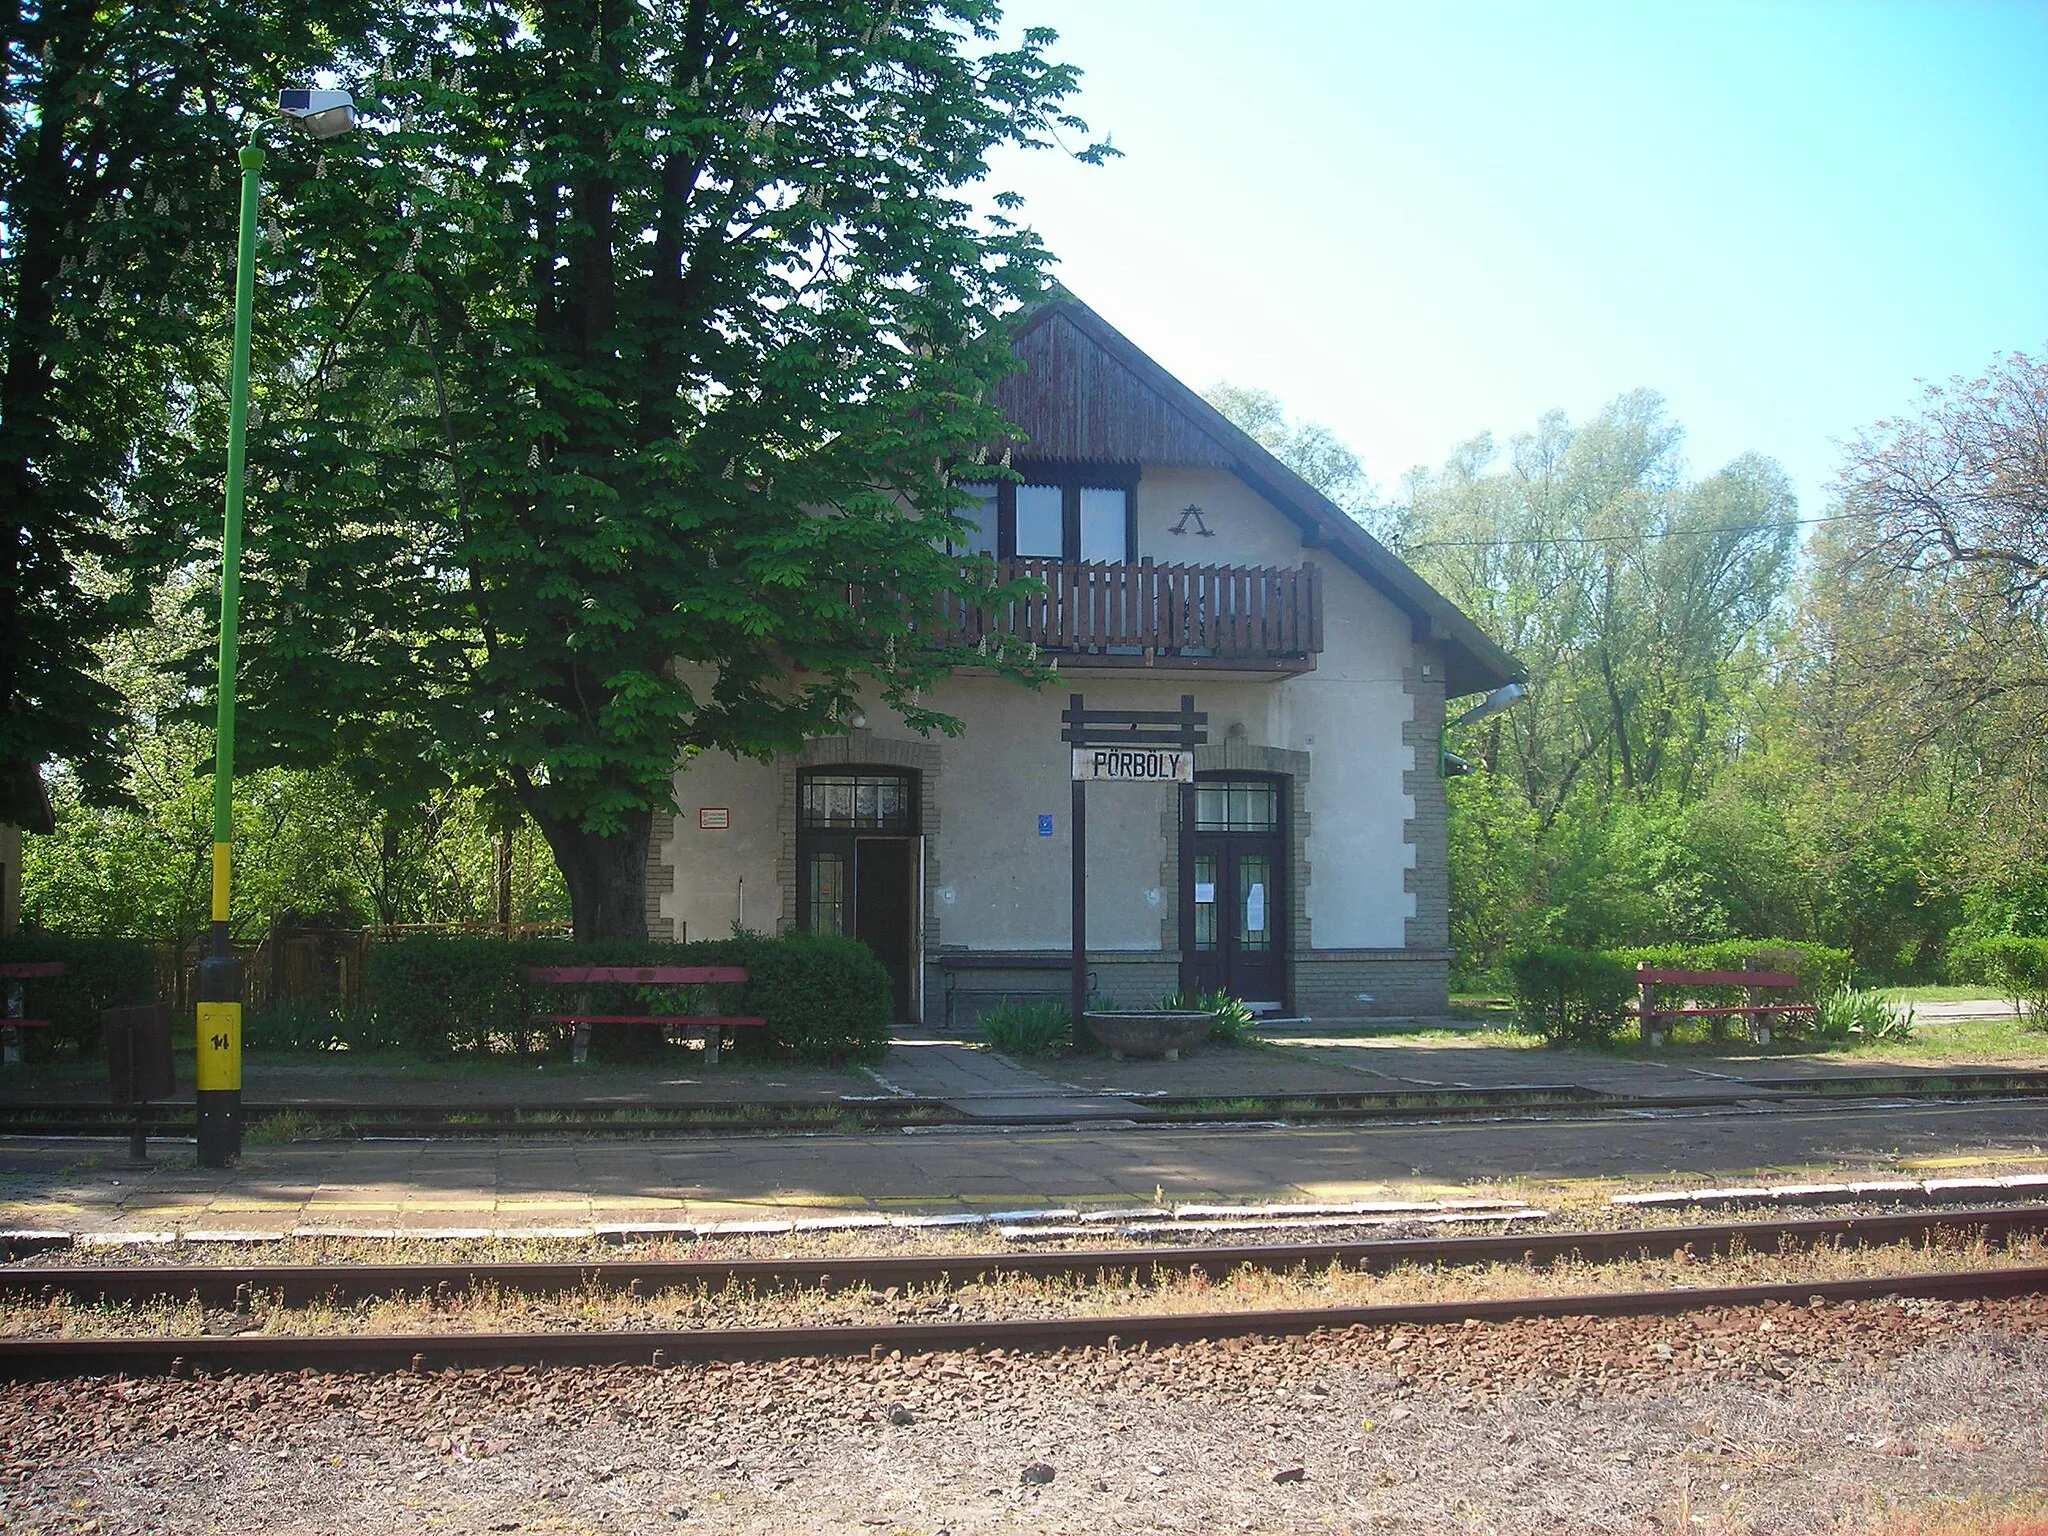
[[607, 880], [606, 876]]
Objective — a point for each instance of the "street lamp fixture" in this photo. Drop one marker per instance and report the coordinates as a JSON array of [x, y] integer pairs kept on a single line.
[[323, 114], [1505, 697]]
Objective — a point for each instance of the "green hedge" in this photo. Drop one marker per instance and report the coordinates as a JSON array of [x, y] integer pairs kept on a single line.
[[2018, 967], [1570, 996], [98, 973], [824, 999], [1821, 970]]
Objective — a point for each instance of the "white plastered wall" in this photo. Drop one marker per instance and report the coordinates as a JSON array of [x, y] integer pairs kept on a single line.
[[995, 883], [1347, 714], [723, 877]]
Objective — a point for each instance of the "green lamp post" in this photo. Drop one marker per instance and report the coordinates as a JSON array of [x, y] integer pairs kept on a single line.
[[323, 114]]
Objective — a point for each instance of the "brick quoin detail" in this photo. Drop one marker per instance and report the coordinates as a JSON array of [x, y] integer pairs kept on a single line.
[[1429, 881], [661, 875]]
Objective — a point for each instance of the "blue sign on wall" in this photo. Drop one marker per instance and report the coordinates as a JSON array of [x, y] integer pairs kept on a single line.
[[1045, 826]]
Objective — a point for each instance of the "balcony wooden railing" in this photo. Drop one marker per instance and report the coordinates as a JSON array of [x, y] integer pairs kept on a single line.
[[1258, 617]]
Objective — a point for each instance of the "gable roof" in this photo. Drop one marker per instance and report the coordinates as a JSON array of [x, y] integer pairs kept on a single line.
[[1086, 392]]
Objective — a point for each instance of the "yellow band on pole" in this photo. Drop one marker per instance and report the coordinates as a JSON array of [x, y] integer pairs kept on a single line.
[[220, 1047], [221, 859]]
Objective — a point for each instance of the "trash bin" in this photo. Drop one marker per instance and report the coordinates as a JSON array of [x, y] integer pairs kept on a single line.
[[139, 1067]]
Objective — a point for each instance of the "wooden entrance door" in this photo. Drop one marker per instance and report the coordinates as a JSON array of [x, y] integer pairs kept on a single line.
[[1238, 888], [857, 851]]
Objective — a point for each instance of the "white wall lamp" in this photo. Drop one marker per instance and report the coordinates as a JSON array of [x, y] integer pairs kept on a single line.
[[1501, 698]]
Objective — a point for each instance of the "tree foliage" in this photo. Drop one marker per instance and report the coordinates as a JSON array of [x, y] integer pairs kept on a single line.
[[609, 391], [1637, 600], [116, 241], [310, 846], [1701, 756], [1926, 628]]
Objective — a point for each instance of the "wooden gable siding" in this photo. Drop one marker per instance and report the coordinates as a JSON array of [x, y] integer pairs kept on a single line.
[[1075, 400]]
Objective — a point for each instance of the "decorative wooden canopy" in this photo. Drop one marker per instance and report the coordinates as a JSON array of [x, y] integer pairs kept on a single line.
[[1087, 393]]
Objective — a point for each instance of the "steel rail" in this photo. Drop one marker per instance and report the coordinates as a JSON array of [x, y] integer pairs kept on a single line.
[[227, 1285], [31, 1359], [2019, 1079], [1843, 1096]]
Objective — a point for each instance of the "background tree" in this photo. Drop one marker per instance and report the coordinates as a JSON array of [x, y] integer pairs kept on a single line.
[[310, 847], [1313, 452], [1639, 602], [1929, 623], [116, 242], [609, 391]]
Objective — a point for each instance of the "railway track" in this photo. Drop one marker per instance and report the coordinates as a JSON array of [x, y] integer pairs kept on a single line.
[[33, 1359], [342, 1121], [227, 1285], [232, 1285]]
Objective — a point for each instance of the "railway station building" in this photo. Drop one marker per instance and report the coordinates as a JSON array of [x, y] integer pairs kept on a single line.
[[1306, 871]]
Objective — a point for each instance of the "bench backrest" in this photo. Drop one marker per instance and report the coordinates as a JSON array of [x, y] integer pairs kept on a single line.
[[638, 975], [1645, 976], [29, 970]]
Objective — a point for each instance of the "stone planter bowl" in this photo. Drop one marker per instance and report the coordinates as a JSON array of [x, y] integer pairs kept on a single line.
[[1150, 1034]]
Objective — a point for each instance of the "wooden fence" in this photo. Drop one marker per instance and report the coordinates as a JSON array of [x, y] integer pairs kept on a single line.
[[313, 964]]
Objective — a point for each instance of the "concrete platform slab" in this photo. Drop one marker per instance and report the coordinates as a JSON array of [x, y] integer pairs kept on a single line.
[[972, 1171]]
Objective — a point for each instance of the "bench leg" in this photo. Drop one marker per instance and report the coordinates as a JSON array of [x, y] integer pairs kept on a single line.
[[579, 1051], [713, 1039], [10, 1046]]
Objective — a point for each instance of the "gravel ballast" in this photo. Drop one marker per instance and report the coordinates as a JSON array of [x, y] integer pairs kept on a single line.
[[1783, 1418]]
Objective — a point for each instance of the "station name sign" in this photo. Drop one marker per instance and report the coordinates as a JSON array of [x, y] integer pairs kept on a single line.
[[1134, 765]]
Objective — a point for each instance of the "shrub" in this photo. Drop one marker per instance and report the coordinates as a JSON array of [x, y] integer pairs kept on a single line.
[[1570, 996], [1039, 1027], [1232, 1017], [439, 995], [824, 999], [2019, 969], [98, 973], [1845, 1012], [311, 1024]]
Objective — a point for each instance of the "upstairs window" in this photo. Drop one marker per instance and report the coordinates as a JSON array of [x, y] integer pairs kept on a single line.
[[1061, 512]]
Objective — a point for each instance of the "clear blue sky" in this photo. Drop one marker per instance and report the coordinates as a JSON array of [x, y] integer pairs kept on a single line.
[[1418, 221]]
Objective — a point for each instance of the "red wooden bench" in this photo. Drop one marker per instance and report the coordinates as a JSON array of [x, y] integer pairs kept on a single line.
[[21, 970], [1752, 1009], [709, 1027]]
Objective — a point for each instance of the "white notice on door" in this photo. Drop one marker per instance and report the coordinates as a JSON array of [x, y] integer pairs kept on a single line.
[[1255, 909], [1204, 894]]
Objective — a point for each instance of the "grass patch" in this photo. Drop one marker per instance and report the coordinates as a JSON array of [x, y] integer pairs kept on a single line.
[[275, 1130], [1941, 994], [1974, 1042]]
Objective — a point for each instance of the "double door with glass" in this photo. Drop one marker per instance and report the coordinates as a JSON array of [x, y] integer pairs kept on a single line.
[[1236, 886]]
